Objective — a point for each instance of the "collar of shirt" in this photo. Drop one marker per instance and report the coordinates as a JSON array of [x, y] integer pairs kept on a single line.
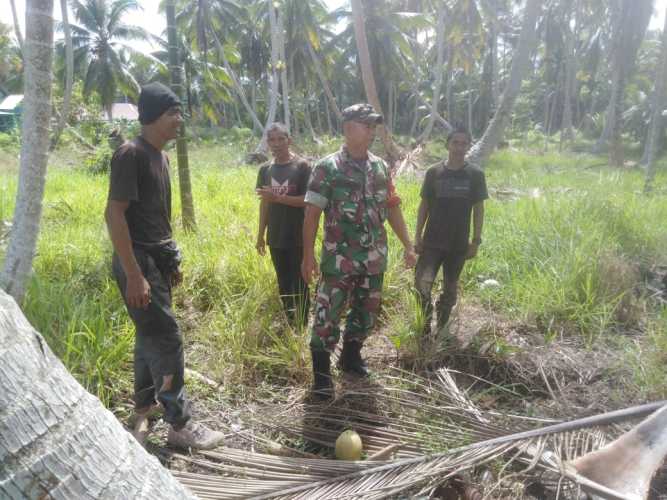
[[347, 159]]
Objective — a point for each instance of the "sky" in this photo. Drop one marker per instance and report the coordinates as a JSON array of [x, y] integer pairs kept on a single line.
[[155, 23], [148, 18]]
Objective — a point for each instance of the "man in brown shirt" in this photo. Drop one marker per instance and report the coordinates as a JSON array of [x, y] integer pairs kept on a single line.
[[281, 187], [146, 267]]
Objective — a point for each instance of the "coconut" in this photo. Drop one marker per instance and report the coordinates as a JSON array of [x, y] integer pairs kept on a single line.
[[348, 446]]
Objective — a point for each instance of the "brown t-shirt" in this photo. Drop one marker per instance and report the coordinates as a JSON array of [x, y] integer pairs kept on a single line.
[[140, 175], [285, 224]]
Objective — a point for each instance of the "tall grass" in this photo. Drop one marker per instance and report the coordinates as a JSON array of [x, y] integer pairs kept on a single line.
[[569, 255]]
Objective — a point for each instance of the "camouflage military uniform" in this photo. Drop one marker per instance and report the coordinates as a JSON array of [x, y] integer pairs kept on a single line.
[[355, 196]]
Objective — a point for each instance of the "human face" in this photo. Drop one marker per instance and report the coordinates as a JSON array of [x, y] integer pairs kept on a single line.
[[169, 123], [359, 135], [278, 144], [458, 146]]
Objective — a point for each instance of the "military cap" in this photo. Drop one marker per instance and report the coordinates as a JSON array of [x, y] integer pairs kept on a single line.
[[362, 113]]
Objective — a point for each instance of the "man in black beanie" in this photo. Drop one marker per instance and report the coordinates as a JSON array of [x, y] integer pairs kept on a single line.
[[146, 266]]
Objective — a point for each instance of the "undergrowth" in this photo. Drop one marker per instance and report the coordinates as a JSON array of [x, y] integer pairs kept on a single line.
[[567, 239]]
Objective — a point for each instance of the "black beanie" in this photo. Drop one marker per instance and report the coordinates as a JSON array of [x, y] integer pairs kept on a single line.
[[154, 100]]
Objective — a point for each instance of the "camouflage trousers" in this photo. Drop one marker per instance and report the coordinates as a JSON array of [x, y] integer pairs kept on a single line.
[[363, 292]]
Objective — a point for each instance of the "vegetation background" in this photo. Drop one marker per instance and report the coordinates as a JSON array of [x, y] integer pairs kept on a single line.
[[575, 232]]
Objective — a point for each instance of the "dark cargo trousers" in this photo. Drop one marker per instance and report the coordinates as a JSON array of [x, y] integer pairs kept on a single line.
[[428, 264], [158, 348]]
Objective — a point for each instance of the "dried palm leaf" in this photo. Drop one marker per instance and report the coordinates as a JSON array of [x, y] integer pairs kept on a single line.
[[440, 430]]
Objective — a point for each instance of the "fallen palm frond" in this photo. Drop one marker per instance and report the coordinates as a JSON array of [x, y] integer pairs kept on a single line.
[[440, 430]]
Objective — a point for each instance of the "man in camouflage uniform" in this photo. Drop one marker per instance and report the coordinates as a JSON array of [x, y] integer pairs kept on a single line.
[[354, 190]]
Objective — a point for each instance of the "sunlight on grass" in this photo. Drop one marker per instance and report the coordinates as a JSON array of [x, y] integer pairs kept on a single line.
[[567, 239]]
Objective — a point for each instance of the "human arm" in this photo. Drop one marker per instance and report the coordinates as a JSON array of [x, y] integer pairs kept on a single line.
[[397, 223], [267, 196], [422, 217], [263, 222], [477, 225], [138, 291], [311, 223]]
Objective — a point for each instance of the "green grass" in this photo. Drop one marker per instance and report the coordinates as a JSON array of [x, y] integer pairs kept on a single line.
[[568, 256]]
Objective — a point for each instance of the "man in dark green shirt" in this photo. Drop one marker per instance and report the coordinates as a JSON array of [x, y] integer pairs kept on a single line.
[[452, 191]]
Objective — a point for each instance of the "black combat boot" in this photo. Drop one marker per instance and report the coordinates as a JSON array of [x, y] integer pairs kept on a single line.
[[323, 387], [350, 360]]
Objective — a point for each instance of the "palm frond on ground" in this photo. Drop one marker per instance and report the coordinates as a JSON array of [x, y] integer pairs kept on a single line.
[[440, 432]]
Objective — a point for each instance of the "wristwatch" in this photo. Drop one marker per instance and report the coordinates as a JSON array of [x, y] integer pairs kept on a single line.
[[477, 241]]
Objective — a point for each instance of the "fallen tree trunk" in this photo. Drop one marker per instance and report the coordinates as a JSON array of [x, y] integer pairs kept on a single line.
[[57, 440]]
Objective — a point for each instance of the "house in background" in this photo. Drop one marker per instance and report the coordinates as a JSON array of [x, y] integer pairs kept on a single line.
[[11, 108], [123, 111]]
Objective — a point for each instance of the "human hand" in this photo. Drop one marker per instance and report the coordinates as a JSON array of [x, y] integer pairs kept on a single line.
[[261, 246], [472, 250], [137, 291], [176, 278], [409, 257], [266, 194], [309, 268], [419, 246]]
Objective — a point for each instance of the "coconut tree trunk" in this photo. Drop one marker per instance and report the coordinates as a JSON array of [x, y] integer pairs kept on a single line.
[[483, 148], [327, 114], [390, 107], [655, 127], [238, 88], [470, 101], [325, 83], [56, 440], [318, 118], [187, 205], [567, 134], [262, 147], [307, 117], [69, 76], [17, 26], [449, 91], [38, 59], [439, 70], [358, 17], [283, 70], [253, 99], [631, 19]]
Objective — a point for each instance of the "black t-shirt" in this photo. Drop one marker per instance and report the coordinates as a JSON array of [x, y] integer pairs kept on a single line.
[[285, 223], [140, 175], [450, 195]]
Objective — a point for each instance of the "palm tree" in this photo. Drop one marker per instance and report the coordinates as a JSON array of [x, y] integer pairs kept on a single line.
[[203, 21], [38, 60], [369, 79], [655, 126], [69, 75], [305, 28], [439, 67], [11, 66], [98, 40], [630, 19], [89, 455], [187, 205], [17, 28], [483, 148]]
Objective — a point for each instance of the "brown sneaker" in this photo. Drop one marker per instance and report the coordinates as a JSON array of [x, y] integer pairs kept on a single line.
[[195, 435]]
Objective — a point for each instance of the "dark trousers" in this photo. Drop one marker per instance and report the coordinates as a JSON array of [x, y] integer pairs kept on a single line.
[[429, 263], [158, 347], [293, 290]]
